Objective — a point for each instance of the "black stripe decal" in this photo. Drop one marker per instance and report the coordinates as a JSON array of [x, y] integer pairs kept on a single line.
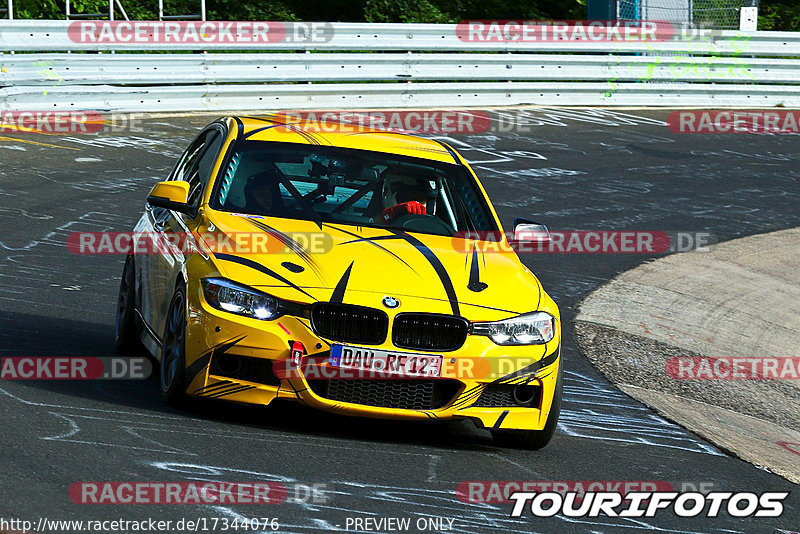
[[373, 239], [473, 395], [302, 133], [532, 368], [495, 309], [299, 131], [230, 392], [438, 267], [317, 138], [296, 392], [262, 119], [450, 150], [258, 267], [467, 399], [338, 293], [259, 130], [546, 375], [287, 240], [202, 362], [217, 385], [475, 283], [197, 366], [472, 389], [312, 138], [240, 126], [500, 419], [539, 300], [474, 392], [370, 240], [222, 391]]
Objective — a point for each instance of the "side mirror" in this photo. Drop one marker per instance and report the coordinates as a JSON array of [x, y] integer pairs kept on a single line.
[[526, 231], [172, 195]]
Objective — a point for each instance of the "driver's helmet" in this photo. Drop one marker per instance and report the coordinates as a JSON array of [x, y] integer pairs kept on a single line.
[[399, 188], [269, 178]]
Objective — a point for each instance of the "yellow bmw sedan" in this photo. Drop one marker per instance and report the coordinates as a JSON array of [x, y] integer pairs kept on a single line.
[[360, 272]]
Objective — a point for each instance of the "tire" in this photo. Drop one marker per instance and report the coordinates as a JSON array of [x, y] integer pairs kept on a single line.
[[126, 332], [535, 439], [173, 351]]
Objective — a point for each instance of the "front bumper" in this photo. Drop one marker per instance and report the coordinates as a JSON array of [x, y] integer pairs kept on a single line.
[[239, 359]]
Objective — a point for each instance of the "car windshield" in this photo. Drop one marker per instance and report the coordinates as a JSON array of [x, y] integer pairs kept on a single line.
[[347, 186]]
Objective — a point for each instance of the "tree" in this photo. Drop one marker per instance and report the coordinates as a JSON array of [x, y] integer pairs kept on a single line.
[[779, 15], [316, 10]]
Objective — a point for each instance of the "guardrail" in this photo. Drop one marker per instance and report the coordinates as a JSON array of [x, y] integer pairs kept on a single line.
[[361, 65]]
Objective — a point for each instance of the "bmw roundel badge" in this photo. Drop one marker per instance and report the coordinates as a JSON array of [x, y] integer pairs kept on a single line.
[[390, 302]]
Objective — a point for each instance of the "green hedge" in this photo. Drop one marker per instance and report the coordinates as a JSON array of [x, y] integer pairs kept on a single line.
[[779, 15], [773, 14], [317, 10]]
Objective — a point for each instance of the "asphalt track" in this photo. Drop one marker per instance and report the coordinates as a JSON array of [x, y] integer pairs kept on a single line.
[[574, 169]]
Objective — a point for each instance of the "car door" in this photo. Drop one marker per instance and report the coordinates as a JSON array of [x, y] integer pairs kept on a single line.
[[170, 228]]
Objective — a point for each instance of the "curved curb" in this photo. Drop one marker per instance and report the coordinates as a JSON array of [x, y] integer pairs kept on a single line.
[[736, 300]]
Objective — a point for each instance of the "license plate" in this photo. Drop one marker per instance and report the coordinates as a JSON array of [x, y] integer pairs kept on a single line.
[[407, 364]]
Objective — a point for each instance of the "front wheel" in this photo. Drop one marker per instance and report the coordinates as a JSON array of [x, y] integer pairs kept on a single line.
[[535, 439], [126, 337], [173, 350]]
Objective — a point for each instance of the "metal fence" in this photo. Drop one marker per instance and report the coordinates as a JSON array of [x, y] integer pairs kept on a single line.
[[712, 14], [7, 12], [392, 65]]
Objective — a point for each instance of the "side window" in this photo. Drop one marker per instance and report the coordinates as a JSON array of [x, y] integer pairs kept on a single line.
[[196, 163], [205, 163], [188, 157]]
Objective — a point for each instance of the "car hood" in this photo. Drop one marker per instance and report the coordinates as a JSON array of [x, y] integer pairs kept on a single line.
[[305, 261]]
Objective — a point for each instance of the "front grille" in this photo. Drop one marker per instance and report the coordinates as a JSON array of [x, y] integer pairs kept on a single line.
[[348, 323], [415, 394], [429, 331], [257, 370], [496, 395]]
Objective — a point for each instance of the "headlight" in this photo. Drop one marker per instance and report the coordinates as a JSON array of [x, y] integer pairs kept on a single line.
[[240, 299], [528, 329]]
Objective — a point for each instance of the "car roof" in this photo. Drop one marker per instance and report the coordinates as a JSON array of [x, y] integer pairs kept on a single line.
[[276, 128]]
